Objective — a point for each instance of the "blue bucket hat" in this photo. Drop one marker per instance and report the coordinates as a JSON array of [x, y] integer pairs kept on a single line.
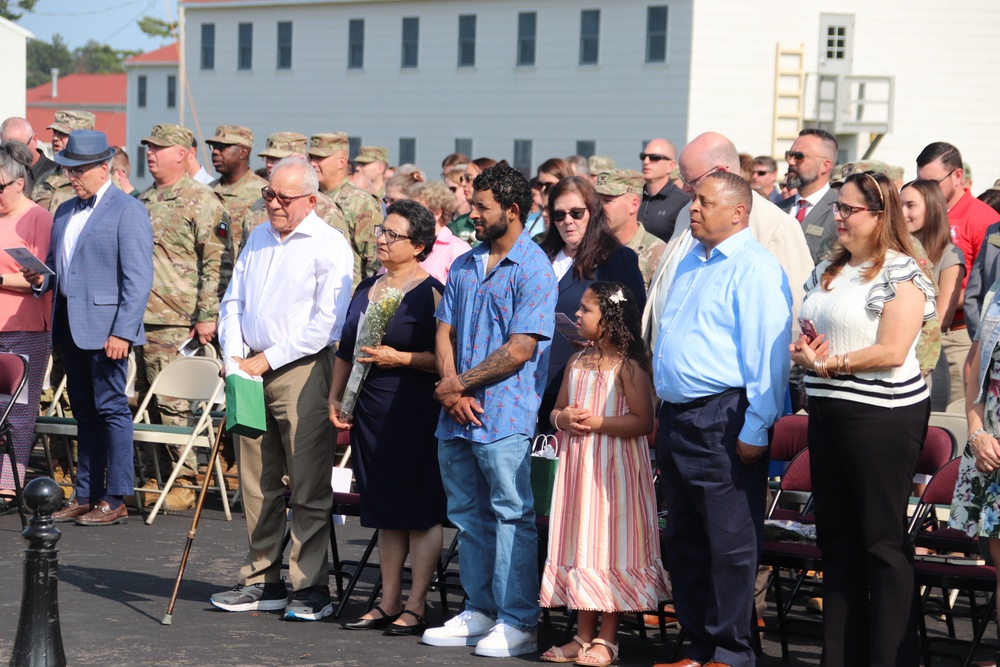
[[84, 147]]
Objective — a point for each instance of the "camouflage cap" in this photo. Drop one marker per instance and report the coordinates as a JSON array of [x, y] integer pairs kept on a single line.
[[675, 173], [232, 135], [598, 164], [283, 144], [167, 134], [373, 154], [67, 121], [851, 168], [618, 182], [966, 169], [326, 144]]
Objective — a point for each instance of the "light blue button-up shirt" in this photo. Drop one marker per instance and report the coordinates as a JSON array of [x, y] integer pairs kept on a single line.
[[727, 323]]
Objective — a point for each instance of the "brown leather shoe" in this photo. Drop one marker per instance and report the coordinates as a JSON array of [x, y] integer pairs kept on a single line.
[[686, 662], [103, 515], [70, 511]]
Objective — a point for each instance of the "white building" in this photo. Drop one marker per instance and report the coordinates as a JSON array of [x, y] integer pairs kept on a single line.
[[152, 98], [13, 54], [527, 81]]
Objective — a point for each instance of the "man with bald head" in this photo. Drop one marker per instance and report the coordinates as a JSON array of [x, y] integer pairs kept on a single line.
[[731, 376], [661, 200], [778, 232], [19, 129], [810, 164]]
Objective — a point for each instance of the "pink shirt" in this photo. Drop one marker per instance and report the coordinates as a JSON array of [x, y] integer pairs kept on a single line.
[[21, 311], [447, 248]]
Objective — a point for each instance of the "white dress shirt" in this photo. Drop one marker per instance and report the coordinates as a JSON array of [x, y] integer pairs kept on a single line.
[[203, 176], [287, 298], [77, 221]]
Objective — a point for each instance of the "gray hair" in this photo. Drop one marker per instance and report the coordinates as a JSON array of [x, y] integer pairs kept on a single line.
[[580, 165], [308, 180], [15, 158]]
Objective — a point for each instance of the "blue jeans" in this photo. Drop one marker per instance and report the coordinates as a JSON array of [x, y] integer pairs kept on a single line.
[[490, 502]]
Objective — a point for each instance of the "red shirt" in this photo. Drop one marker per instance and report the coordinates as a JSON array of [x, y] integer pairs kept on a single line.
[[969, 219]]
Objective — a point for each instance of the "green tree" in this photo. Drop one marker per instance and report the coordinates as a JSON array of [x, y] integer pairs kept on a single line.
[[42, 57], [96, 58], [8, 12], [155, 27]]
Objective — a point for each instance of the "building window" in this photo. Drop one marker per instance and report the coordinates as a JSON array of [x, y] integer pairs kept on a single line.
[[353, 147], [411, 40], [463, 146], [171, 91], [586, 148], [407, 151], [590, 36], [141, 93], [356, 44], [836, 42], [140, 161], [244, 47], [656, 34], [208, 46], [526, 25], [285, 45], [522, 156], [467, 40]]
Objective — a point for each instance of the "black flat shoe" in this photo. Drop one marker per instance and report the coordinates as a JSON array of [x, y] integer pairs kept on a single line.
[[397, 630], [371, 623], [8, 505]]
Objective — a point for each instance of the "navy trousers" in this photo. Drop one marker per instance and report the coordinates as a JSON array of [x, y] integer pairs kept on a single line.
[[96, 387], [714, 526]]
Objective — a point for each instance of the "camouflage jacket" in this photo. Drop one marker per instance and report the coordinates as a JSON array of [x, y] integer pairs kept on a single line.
[[52, 191], [187, 253], [650, 249], [237, 198], [362, 212]]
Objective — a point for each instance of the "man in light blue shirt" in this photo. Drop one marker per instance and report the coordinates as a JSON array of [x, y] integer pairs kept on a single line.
[[721, 368]]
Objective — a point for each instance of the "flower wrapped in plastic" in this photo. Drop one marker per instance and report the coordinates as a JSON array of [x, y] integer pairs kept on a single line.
[[371, 329]]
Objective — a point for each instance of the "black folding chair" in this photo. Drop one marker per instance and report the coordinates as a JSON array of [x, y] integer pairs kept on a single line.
[[13, 377]]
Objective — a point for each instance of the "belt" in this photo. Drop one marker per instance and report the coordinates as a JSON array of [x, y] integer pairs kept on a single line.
[[954, 327], [705, 400]]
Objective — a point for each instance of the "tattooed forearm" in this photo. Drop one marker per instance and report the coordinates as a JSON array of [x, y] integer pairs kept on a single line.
[[501, 363]]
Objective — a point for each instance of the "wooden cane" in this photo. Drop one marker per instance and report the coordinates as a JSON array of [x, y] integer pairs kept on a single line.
[[197, 517]]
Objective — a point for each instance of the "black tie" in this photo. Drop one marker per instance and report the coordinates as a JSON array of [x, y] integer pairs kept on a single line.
[[83, 204]]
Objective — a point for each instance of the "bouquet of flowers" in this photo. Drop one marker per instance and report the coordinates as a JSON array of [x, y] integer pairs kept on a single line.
[[371, 329]]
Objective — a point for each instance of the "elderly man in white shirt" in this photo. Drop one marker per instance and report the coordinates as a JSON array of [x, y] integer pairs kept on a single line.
[[283, 310]]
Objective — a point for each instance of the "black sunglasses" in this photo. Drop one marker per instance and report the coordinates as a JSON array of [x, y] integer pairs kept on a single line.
[[575, 213], [270, 195], [761, 172], [654, 157]]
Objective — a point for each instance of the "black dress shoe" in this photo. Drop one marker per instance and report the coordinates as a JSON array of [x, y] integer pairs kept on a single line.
[[379, 623], [8, 505], [397, 630]]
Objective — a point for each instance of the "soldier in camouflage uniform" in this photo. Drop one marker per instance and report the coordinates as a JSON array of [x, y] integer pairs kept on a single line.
[[597, 165], [237, 187], [187, 252], [281, 145], [362, 211], [55, 188], [621, 195], [372, 161]]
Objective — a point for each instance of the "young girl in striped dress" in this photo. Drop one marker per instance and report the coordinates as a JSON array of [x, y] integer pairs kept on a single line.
[[604, 556]]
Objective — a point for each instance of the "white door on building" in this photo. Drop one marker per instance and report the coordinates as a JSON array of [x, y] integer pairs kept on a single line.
[[836, 44]]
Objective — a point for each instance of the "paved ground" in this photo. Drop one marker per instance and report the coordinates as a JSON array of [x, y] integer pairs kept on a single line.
[[115, 583]]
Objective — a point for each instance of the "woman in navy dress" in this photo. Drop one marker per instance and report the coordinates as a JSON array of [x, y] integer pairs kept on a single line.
[[392, 427]]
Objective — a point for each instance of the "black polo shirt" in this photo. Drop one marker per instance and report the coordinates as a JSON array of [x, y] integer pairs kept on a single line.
[[658, 212]]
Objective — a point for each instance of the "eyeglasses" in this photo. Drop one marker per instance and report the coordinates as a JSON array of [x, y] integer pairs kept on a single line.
[[694, 183], [846, 210], [77, 172], [761, 172], [546, 186], [575, 213], [798, 156], [390, 236], [4, 186], [284, 201], [945, 177], [454, 189], [653, 157]]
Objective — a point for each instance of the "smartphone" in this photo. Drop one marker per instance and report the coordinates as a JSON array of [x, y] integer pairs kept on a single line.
[[808, 329]]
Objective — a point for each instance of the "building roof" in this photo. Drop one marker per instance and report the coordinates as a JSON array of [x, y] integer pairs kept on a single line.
[[103, 94], [165, 54], [16, 29]]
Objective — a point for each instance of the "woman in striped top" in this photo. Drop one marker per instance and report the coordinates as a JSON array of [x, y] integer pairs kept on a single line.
[[868, 412]]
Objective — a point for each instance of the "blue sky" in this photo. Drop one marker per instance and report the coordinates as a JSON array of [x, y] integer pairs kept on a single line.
[[108, 21]]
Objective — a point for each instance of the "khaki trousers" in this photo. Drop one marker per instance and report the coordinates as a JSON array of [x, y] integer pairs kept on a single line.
[[955, 344], [299, 441]]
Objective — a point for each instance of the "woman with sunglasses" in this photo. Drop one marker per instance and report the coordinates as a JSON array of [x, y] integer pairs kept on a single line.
[[868, 413], [582, 250], [392, 426], [24, 320]]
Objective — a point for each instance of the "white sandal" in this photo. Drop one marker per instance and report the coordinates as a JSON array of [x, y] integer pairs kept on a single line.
[[612, 649], [561, 657]]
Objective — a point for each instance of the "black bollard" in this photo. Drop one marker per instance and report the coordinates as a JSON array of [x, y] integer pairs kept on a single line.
[[39, 639]]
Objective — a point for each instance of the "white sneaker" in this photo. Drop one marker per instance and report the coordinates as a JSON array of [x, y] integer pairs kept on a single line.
[[466, 629], [505, 641]]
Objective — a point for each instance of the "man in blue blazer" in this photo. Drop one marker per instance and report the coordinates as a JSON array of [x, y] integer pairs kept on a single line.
[[101, 253]]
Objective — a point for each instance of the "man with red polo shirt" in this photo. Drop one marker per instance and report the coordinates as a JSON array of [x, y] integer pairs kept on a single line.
[[968, 218]]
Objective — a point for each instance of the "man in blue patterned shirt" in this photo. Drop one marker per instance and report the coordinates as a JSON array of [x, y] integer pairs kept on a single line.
[[721, 368], [495, 322]]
